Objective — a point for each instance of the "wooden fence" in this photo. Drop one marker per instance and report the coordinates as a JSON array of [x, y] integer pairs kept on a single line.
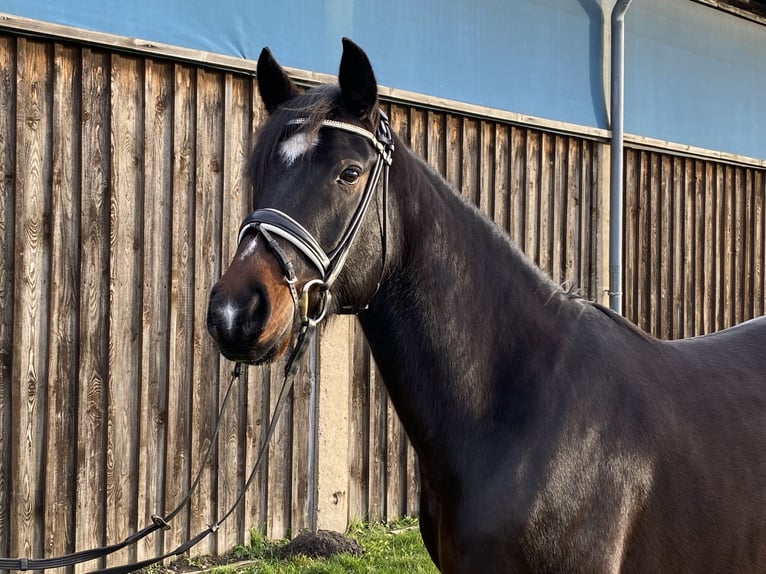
[[695, 243], [120, 197]]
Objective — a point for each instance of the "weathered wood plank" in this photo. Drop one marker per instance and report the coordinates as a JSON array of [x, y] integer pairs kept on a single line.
[[181, 326], [570, 228], [594, 218], [697, 261], [126, 238], [468, 182], [690, 192], [450, 162], [278, 514], [359, 424], [518, 175], [501, 177], [437, 142], [485, 168], [544, 216], [64, 312], [30, 295], [237, 102], [90, 508], [155, 322], [531, 196], [655, 240], [630, 247], [759, 244], [377, 465], [394, 464], [739, 224], [748, 261], [207, 230], [666, 238], [7, 249]]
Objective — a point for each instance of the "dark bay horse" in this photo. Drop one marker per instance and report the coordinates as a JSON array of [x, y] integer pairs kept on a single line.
[[552, 435]]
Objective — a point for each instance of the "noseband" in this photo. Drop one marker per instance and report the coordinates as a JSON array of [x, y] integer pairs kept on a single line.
[[271, 222]]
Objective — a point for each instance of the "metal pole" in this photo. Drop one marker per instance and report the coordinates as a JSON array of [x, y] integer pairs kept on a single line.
[[616, 191]]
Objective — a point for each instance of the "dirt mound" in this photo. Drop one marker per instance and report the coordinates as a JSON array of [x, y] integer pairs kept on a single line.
[[320, 544]]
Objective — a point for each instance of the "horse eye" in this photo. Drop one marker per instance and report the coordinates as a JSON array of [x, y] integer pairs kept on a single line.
[[350, 175]]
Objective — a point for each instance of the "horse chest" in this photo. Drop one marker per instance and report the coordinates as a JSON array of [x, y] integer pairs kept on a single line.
[[572, 513]]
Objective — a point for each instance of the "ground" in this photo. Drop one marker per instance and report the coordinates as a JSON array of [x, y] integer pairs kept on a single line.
[[320, 544]]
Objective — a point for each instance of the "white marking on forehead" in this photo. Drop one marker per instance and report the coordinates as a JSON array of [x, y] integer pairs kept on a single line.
[[250, 247], [297, 145]]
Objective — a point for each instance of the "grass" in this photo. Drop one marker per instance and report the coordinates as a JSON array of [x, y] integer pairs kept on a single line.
[[396, 548]]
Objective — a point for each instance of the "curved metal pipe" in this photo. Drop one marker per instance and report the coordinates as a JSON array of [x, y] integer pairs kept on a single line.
[[616, 159]]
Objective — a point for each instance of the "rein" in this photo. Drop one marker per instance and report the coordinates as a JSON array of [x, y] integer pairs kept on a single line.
[[266, 221]]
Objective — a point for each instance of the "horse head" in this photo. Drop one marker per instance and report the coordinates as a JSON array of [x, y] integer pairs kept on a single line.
[[314, 171]]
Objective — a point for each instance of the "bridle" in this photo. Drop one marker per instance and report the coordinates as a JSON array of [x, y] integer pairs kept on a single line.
[[270, 222]]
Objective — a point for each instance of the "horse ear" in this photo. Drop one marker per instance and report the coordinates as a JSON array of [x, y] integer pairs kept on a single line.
[[357, 81], [275, 87]]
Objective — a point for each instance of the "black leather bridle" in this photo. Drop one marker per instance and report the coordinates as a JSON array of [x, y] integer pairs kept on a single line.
[[271, 222]]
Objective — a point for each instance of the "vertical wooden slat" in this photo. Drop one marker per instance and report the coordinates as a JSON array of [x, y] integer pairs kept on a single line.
[[155, 342], [725, 248], [359, 424], [279, 462], [531, 196], [237, 102], [748, 262], [654, 240], [708, 252], [739, 223], [90, 514], [65, 283], [448, 161], [181, 324], [678, 225], [546, 205], [759, 244], [124, 299], [7, 249], [485, 168], [501, 177], [394, 464], [666, 238], [31, 305], [630, 257], [377, 430], [466, 164], [207, 223], [517, 191], [594, 218], [437, 142], [570, 230], [297, 513]]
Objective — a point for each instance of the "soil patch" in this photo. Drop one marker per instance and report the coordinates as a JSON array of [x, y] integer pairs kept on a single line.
[[320, 544]]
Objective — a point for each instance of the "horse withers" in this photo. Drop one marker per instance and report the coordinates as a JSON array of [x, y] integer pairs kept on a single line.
[[552, 435]]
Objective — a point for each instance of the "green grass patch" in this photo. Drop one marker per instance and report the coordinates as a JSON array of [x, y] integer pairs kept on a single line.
[[396, 548]]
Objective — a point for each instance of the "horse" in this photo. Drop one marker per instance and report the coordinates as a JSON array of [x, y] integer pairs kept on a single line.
[[551, 434]]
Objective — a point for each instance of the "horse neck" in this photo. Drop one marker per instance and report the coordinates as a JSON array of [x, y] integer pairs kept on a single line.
[[461, 316]]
